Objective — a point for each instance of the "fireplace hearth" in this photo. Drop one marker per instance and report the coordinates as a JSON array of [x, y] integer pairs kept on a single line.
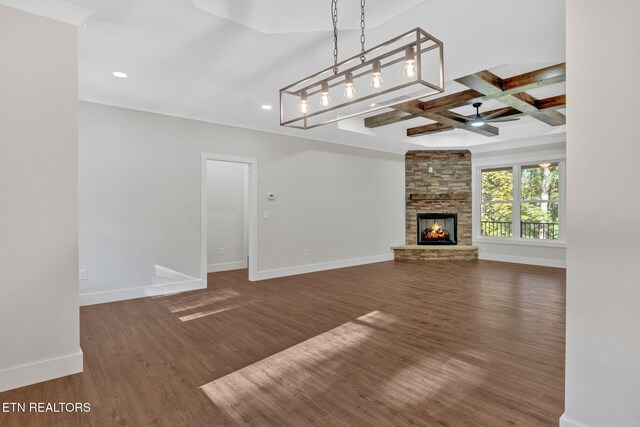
[[437, 229]]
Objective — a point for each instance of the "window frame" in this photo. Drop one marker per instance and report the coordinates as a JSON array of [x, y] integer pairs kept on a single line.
[[497, 202], [516, 203]]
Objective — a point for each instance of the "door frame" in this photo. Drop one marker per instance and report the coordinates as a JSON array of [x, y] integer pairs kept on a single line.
[[252, 209]]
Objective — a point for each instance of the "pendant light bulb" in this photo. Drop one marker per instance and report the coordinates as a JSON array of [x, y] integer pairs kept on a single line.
[[325, 100], [304, 104], [376, 79], [349, 90], [409, 70]]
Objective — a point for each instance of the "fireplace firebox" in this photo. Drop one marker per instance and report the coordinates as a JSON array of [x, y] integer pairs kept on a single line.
[[437, 229]]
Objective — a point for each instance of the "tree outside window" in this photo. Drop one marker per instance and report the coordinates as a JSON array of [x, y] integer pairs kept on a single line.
[[497, 202], [539, 201], [534, 205]]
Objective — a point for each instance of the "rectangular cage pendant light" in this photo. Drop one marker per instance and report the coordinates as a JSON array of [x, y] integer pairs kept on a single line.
[[405, 68]]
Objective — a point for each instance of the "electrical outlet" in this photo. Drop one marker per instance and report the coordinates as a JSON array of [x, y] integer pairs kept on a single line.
[[305, 252], [221, 251], [83, 274]]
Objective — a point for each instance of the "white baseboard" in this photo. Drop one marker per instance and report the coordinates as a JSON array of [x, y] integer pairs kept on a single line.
[[140, 292], [226, 266], [566, 422], [522, 260], [311, 268], [43, 370]]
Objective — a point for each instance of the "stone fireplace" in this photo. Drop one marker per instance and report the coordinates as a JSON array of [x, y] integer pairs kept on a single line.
[[437, 191], [437, 229]]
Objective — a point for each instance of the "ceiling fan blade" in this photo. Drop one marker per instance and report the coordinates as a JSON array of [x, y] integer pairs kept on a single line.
[[460, 117], [502, 119], [497, 113]]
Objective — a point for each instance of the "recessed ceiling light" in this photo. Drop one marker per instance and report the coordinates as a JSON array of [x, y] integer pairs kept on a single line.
[[372, 105], [267, 107], [120, 74]]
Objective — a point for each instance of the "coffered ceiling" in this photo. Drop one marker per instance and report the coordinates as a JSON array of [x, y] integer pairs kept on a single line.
[[512, 94], [221, 60]]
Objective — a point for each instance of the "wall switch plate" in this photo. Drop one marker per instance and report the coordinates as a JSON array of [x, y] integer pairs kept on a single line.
[[305, 252], [221, 251], [266, 215], [83, 274]]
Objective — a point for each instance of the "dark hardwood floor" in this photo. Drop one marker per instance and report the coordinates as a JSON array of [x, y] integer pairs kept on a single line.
[[468, 343]]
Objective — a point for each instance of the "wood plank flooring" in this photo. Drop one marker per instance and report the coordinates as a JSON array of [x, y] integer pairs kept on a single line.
[[451, 343]]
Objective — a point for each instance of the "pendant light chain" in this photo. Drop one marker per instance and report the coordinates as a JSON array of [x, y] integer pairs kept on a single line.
[[334, 19], [362, 37]]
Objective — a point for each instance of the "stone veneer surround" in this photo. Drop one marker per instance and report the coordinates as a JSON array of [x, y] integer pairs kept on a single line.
[[447, 189]]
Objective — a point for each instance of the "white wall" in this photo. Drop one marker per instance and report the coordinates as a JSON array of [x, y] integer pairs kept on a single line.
[[547, 253], [39, 337], [603, 287], [140, 200], [227, 216]]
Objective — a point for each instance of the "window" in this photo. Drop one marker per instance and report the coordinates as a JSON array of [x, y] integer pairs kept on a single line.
[[497, 202], [539, 204], [521, 201]]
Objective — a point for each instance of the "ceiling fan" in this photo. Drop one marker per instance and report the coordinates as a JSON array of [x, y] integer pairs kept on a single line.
[[493, 116]]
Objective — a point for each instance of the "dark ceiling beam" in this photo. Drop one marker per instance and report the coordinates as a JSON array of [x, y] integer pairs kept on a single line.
[[535, 79], [448, 118], [449, 102], [527, 104], [443, 103], [429, 129], [500, 87], [492, 86], [413, 107], [455, 120], [500, 112], [559, 101], [542, 104], [387, 118]]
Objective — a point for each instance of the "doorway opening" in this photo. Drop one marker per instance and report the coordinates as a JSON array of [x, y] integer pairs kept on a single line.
[[229, 214]]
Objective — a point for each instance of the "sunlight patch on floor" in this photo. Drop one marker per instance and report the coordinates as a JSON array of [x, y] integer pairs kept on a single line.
[[347, 365], [282, 377], [415, 387], [207, 313], [377, 318], [201, 301]]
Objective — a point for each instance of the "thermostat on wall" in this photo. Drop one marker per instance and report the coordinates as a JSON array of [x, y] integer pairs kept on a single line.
[[271, 196]]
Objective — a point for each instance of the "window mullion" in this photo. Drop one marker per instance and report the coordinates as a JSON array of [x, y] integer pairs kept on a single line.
[[562, 202], [516, 202]]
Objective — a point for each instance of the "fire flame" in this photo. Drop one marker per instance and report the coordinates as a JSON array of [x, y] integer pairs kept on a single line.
[[435, 232]]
